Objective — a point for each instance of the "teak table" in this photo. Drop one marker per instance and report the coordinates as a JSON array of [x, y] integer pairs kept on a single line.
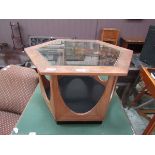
[[78, 77]]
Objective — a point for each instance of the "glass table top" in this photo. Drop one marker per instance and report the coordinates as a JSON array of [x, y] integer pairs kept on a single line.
[[76, 53]]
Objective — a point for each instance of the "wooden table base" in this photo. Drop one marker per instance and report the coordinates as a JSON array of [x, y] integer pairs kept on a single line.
[[77, 98]]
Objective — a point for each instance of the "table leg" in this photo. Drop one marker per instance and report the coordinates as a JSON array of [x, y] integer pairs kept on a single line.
[[149, 129], [60, 105]]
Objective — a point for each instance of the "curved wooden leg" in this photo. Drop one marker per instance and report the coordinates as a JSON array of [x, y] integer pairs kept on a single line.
[[62, 112], [105, 99], [44, 83], [151, 126]]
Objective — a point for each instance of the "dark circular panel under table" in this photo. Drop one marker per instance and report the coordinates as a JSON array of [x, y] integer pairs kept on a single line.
[[80, 93]]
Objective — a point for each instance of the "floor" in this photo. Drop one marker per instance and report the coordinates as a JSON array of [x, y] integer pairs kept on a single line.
[[138, 122]]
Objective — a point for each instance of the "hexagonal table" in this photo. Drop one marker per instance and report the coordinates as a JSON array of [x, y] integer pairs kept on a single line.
[[78, 77]]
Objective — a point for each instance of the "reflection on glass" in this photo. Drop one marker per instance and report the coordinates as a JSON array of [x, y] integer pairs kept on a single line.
[[75, 53]]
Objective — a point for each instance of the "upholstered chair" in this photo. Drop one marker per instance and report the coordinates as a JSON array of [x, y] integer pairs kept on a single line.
[[17, 85]]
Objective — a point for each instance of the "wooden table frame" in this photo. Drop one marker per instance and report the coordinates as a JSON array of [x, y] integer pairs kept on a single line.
[[55, 101]]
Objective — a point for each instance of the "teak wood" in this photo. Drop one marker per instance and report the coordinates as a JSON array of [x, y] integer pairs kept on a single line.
[[150, 128], [44, 67], [150, 86], [60, 111], [110, 35], [145, 74]]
